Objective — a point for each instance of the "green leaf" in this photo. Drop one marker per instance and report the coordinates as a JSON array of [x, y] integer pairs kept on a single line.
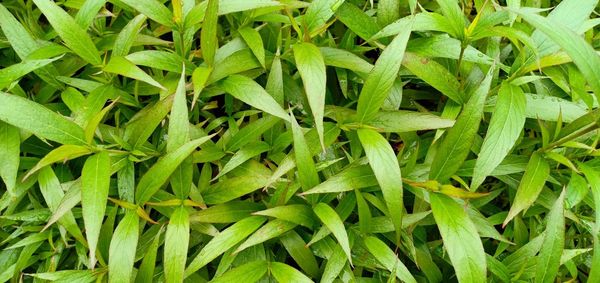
[[161, 60], [381, 79], [386, 256], [434, 74], [71, 33], [335, 264], [271, 230], [299, 251], [92, 125], [60, 154], [208, 34], [385, 166], [122, 248], [251, 93], [333, 222], [357, 20], [176, 245], [10, 142], [251, 272], [531, 185], [88, 12], [454, 148], [178, 120], [255, 42], [387, 11], [504, 130], [224, 241], [154, 9], [355, 177], [593, 178], [16, 71], [554, 240], [285, 273], [160, 172], [53, 195], [146, 269], [24, 44], [583, 55], [199, 79], [95, 180], [71, 198], [455, 17], [127, 36], [124, 67], [65, 276], [307, 172], [249, 151], [460, 238], [39, 120], [295, 213], [226, 213], [311, 67], [140, 127]]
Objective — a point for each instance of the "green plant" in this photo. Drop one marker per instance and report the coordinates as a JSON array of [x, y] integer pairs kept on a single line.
[[299, 141]]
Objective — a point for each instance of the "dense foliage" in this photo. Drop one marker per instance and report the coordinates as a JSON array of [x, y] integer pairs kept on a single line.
[[299, 141]]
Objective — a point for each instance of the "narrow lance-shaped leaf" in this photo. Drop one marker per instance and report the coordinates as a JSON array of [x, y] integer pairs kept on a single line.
[[385, 166], [333, 222], [224, 241], [53, 195], [122, 66], [532, 183], [251, 272], [271, 230], [10, 142], [335, 264], [307, 172], [251, 93], [199, 79], [593, 178], [176, 245], [127, 36], [505, 127], [88, 12], [460, 237], [122, 248], [39, 120], [71, 33], [178, 120], [208, 34], [435, 74], [455, 16], [381, 79], [300, 252], [154, 9], [95, 180], [311, 67], [455, 147], [583, 54], [16, 71], [141, 126], [387, 257], [554, 242], [62, 153], [387, 12], [146, 268], [285, 273], [255, 42], [159, 173]]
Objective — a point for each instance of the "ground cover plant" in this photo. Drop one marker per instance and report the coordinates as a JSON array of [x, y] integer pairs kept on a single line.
[[299, 141]]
